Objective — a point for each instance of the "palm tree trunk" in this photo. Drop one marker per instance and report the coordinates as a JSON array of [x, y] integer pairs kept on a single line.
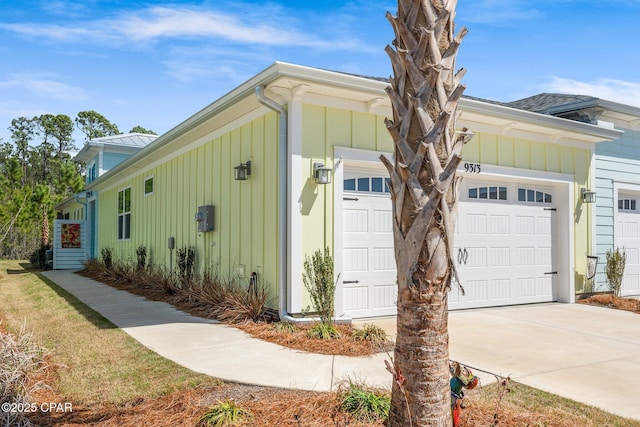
[[424, 94]]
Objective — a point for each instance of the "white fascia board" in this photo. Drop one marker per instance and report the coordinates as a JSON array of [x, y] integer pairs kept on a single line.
[[551, 122]]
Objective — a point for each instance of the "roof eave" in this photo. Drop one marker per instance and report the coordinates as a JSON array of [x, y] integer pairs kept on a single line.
[[538, 118]]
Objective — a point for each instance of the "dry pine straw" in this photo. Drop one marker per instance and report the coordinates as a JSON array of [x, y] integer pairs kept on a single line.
[[346, 345], [612, 301]]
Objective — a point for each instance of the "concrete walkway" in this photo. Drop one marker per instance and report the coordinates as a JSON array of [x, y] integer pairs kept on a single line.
[[588, 354]]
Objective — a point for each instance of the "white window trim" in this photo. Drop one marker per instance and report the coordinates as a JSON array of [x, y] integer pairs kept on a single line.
[[128, 213], [144, 185]]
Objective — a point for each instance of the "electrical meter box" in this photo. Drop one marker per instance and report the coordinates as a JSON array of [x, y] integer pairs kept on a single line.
[[205, 218]]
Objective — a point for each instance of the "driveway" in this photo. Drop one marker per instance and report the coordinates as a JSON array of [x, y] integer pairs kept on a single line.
[[588, 354]]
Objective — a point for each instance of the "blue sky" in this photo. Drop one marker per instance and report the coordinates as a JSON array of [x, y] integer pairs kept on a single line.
[[155, 64]]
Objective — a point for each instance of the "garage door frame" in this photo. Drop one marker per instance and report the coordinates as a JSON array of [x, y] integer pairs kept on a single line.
[[367, 160], [625, 189]]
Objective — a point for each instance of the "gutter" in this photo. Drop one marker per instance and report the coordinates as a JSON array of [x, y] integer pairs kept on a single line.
[[283, 201]]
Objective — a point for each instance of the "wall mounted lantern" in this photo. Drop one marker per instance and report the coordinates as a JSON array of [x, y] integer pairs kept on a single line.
[[321, 173], [242, 172], [588, 196]]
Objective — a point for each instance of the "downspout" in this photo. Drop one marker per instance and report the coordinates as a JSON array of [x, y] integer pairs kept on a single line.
[[283, 201]]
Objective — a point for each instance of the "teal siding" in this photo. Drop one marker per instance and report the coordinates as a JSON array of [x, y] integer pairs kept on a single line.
[[109, 160], [616, 161]]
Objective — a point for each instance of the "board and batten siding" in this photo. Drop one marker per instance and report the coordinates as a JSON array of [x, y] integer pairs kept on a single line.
[[325, 128], [246, 226], [616, 161]]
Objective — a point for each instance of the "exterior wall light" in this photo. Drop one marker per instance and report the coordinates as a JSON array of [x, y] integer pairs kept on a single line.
[[242, 172], [588, 196], [321, 174]]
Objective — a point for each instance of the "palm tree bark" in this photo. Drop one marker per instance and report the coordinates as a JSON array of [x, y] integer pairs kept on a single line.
[[424, 94]]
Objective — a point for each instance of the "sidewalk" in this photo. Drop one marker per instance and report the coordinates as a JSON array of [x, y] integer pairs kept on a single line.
[[588, 354], [212, 348]]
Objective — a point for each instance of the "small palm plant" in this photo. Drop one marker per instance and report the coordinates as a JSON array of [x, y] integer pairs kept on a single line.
[[616, 262], [226, 413]]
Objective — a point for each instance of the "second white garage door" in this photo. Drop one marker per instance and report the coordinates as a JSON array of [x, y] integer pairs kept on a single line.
[[503, 247], [628, 237]]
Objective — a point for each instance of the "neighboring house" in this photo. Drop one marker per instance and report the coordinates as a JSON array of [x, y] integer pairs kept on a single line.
[[617, 163], [78, 212], [523, 229]]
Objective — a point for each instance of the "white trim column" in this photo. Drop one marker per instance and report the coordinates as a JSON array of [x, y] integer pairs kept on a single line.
[[295, 186]]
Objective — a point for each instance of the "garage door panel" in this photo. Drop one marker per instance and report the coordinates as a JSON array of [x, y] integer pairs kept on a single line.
[[355, 221], [385, 296], [525, 256], [525, 287], [382, 222], [356, 298], [355, 260], [500, 257], [499, 225], [476, 290], [500, 289], [526, 225], [475, 224], [544, 256], [544, 286], [631, 284], [384, 259]]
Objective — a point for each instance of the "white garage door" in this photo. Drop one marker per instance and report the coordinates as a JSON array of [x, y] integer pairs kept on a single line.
[[369, 265], [628, 237], [503, 246]]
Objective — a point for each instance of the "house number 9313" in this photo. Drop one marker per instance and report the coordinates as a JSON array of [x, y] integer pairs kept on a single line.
[[472, 167]]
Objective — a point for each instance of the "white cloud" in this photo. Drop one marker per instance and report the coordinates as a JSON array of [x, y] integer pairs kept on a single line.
[[263, 27], [624, 92], [42, 85]]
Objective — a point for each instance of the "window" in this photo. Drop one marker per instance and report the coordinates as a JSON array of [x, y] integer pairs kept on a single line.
[[534, 196], [148, 186], [626, 204], [488, 193], [375, 184], [124, 214]]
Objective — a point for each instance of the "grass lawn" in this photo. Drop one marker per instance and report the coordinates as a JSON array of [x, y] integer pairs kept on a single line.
[[115, 381], [96, 361]]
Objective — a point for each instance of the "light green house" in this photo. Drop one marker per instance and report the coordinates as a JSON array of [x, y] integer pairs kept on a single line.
[[523, 230]]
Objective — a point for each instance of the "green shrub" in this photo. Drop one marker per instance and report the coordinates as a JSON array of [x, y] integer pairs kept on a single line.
[[286, 327], [225, 413], [371, 333], [39, 258], [318, 279], [616, 262], [365, 403], [141, 255], [107, 257], [186, 263], [323, 331]]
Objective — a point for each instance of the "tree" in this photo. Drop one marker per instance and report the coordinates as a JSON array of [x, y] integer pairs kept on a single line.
[[140, 129], [22, 133], [95, 125], [424, 94]]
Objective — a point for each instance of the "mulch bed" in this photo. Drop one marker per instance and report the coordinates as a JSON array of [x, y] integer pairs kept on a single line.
[[346, 345], [611, 301]]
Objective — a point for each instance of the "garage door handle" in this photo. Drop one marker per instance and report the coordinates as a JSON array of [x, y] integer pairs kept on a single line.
[[352, 199], [350, 281], [463, 255], [551, 272]]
